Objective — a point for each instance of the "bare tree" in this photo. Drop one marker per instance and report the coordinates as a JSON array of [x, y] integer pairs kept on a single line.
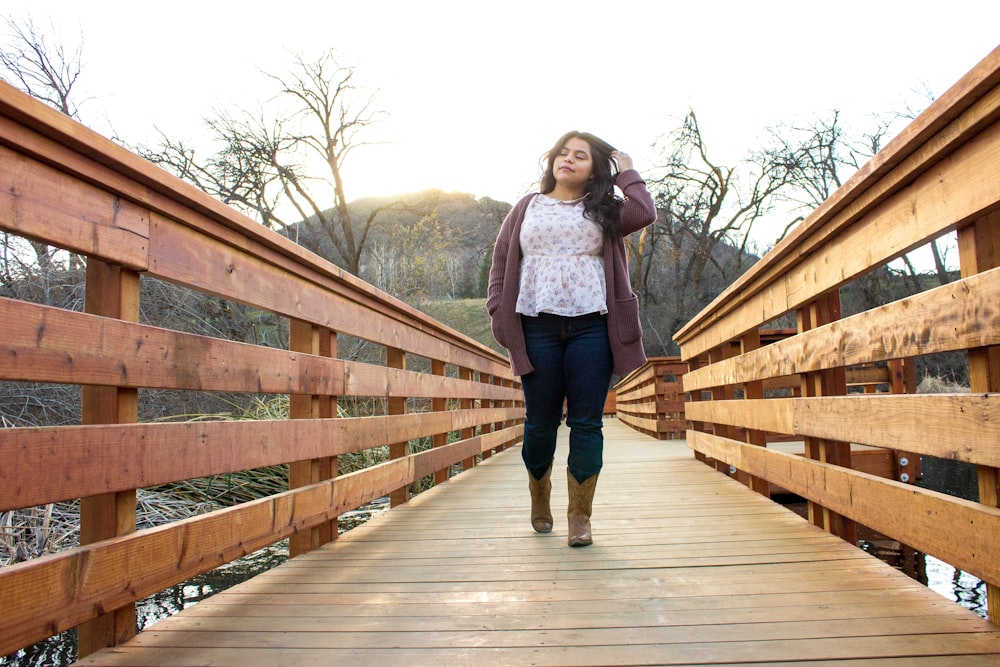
[[44, 70], [820, 155], [286, 162], [701, 241], [243, 173], [48, 72]]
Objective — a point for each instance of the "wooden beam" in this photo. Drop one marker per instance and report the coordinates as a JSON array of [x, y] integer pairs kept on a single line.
[[46, 344], [935, 523], [304, 337], [979, 251], [957, 316], [439, 404], [39, 202], [396, 405], [111, 292], [960, 427], [110, 458]]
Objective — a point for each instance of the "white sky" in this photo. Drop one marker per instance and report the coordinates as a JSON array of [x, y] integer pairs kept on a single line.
[[477, 91]]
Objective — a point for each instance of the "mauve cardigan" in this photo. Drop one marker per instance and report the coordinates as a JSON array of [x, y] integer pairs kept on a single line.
[[624, 329]]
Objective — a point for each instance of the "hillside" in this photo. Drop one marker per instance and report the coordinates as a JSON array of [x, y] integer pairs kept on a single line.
[[468, 316]]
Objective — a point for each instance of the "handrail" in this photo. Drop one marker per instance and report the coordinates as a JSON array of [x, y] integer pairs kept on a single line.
[[68, 187], [940, 175], [650, 399]]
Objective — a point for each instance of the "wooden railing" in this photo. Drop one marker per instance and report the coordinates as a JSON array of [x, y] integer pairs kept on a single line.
[[650, 399], [940, 175], [65, 186]]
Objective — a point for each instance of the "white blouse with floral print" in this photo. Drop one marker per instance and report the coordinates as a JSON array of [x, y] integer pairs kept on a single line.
[[562, 268]]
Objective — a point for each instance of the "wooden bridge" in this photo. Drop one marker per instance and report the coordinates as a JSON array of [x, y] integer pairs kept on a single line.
[[688, 567], [693, 564]]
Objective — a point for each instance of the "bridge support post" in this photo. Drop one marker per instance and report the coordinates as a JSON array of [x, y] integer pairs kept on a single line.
[[304, 337], [439, 405], [111, 291], [979, 250], [467, 404], [694, 396], [754, 390], [726, 393], [395, 358], [830, 382]]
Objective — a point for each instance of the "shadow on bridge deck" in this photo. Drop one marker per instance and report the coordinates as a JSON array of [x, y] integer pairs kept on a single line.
[[688, 567]]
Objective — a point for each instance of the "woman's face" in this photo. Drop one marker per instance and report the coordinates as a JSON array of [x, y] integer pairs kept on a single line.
[[574, 165]]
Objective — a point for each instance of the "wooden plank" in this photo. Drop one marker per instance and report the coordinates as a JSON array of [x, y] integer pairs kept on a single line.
[[961, 427], [113, 292], [45, 344], [358, 618], [84, 582], [187, 256], [957, 316], [81, 583], [868, 375], [931, 522], [109, 458], [688, 567], [601, 635], [979, 250], [42, 203], [741, 653]]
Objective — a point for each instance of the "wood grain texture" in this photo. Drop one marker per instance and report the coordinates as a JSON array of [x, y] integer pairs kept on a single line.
[[957, 316], [83, 583], [961, 427], [687, 567], [959, 532], [105, 458]]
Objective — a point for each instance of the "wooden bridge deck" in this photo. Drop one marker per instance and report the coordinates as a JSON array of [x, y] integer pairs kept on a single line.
[[688, 567]]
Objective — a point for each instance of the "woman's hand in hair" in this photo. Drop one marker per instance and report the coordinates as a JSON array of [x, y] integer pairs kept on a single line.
[[623, 159]]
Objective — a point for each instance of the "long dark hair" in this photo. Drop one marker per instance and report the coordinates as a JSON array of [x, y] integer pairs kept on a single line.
[[601, 204]]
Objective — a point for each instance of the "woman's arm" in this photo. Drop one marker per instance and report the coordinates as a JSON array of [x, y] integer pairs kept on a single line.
[[638, 210]]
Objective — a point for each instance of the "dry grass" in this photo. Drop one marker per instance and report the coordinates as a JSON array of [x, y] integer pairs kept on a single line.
[[939, 385]]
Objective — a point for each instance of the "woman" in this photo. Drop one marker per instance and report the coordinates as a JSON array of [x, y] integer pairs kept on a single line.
[[561, 302]]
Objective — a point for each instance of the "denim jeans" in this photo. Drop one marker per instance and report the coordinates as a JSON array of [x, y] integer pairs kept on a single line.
[[572, 361]]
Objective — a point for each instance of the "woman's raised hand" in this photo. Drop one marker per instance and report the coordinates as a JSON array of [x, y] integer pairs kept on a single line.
[[623, 160]]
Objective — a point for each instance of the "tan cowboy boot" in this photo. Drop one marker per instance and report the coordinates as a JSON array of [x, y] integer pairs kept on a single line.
[[541, 490], [581, 503]]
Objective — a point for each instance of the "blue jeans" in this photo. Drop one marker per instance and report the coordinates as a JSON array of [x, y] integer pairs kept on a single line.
[[572, 361]]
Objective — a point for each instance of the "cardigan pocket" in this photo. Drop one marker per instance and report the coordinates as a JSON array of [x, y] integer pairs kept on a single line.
[[498, 330], [626, 323]]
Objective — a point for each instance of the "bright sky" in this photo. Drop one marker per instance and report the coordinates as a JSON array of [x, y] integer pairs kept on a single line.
[[477, 91]]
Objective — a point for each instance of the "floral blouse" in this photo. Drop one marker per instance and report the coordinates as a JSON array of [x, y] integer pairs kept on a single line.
[[562, 268]]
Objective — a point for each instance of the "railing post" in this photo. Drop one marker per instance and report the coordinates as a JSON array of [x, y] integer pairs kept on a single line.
[[694, 396], [831, 382], [488, 379], [725, 351], [497, 403], [304, 337], [396, 405], [754, 390], [500, 425], [439, 404], [979, 250], [467, 404], [112, 292]]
